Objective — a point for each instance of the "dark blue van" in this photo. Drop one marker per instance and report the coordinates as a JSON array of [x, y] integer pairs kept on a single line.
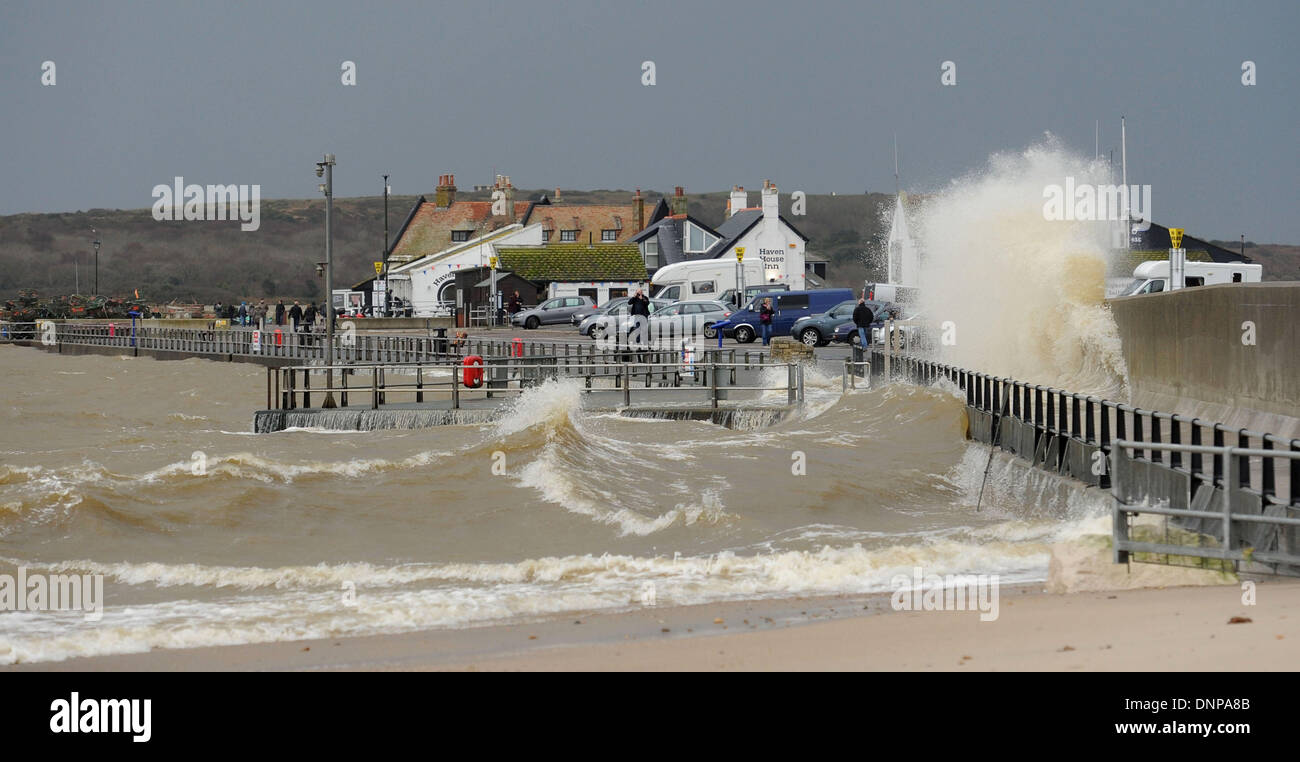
[[743, 324]]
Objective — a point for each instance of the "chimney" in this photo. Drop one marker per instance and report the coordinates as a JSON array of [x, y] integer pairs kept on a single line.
[[638, 203], [445, 194], [678, 204], [504, 185], [771, 206], [556, 199], [739, 200]]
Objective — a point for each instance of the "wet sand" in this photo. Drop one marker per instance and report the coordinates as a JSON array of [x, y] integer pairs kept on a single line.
[[1178, 629]]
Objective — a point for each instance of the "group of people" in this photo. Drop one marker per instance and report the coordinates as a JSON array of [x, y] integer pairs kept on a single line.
[[300, 319]]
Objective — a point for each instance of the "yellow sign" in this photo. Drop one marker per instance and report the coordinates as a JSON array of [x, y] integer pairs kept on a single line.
[[1176, 238], [493, 262], [379, 267], [740, 253]]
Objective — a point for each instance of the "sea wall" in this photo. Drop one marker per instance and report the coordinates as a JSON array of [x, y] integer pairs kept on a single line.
[[1229, 353]]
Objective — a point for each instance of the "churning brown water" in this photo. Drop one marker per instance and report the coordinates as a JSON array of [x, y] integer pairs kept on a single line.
[[147, 472]]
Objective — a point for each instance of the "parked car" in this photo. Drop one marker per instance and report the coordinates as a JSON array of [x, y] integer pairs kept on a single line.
[[608, 319], [582, 313], [816, 330], [848, 333], [819, 330], [551, 311], [789, 307], [695, 317]]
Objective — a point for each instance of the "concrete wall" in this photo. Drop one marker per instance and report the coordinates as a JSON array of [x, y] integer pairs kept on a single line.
[[1185, 353]]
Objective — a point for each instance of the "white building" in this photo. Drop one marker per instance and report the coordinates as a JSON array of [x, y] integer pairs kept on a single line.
[[428, 283]]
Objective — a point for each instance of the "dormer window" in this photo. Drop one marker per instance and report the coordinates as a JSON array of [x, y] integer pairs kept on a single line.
[[608, 236], [569, 236], [546, 235], [696, 240], [459, 235]]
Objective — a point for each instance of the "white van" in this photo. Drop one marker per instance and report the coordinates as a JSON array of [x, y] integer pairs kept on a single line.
[[706, 279], [1153, 277]]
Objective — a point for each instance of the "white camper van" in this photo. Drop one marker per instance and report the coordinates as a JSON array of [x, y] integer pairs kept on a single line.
[[707, 279], [1152, 277]]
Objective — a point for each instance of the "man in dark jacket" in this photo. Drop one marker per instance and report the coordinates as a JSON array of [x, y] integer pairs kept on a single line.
[[279, 313], [638, 307], [863, 318], [295, 315], [515, 304]]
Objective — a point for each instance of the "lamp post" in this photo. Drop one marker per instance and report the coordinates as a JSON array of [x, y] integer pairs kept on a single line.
[[96, 243], [326, 168], [387, 293]]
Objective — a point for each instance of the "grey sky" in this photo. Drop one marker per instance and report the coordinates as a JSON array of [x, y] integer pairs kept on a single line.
[[808, 94]]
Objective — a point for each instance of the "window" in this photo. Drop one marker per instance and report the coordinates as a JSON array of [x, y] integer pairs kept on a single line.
[[1236, 277], [609, 235], [702, 287], [573, 301], [650, 251], [1194, 281], [697, 240], [568, 235], [692, 309], [670, 310], [793, 302], [553, 304], [1154, 287], [460, 235], [546, 235]]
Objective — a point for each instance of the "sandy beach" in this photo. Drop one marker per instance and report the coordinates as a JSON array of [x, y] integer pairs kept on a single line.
[[1186, 628]]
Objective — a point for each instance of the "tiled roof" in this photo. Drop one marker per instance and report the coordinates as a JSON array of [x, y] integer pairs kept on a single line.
[[587, 219], [574, 262], [429, 228]]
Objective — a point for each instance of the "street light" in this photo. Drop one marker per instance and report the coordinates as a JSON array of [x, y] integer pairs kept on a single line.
[[326, 168], [387, 293], [96, 243]]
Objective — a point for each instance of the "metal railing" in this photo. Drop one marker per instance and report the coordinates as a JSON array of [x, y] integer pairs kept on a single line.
[[1077, 434], [282, 343], [290, 388], [1250, 525]]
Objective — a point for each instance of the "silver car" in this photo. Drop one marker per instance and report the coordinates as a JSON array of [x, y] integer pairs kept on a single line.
[[580, 315], [683, 319], [557, 310], [607, 320]]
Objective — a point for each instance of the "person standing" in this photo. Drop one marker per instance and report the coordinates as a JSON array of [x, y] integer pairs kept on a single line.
[[765, 314], [279, 313], [862, 318], [295, 315], [259, 315], [243, 313], [515, 305], [218, 310], [309, 318], [638, 307]]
